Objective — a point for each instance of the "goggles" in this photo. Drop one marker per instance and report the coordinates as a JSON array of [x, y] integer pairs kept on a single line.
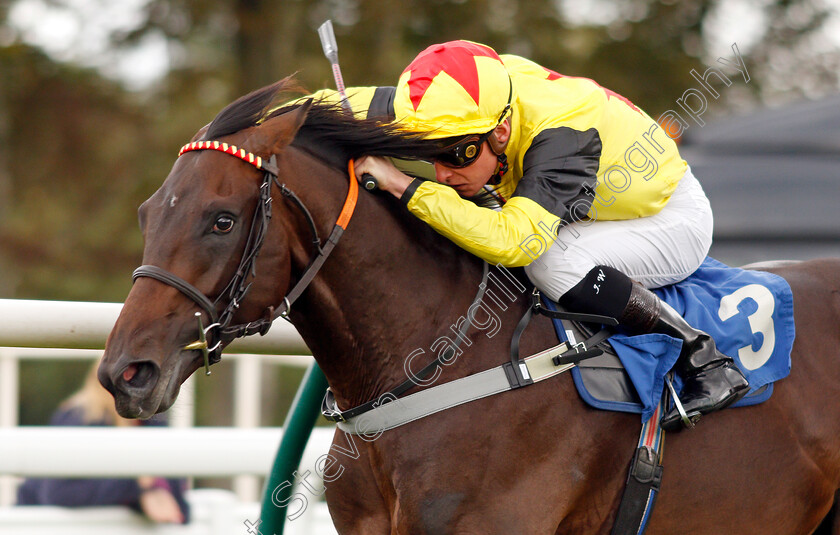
[[464, 151]]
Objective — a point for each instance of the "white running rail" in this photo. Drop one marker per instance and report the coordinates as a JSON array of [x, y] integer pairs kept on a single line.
[[77, 331]]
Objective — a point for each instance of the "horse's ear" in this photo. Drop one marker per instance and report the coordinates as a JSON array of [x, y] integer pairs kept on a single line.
[[281, 130], [200, 134]]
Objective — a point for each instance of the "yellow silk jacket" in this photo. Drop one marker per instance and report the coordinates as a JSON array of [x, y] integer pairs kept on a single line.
[[578, 152]]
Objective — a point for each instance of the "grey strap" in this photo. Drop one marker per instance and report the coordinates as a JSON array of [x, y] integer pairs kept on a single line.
[[400, 411], [396, 412]]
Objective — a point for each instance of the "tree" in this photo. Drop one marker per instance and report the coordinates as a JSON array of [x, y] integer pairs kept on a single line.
[[79, 152], [71, 140]]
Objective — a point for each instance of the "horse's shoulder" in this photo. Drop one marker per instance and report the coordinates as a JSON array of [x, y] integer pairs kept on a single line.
[[809, 279], [769, 265], [821, 268]]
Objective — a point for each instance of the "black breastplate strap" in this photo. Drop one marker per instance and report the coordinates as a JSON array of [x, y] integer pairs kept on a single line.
[[580, 351]]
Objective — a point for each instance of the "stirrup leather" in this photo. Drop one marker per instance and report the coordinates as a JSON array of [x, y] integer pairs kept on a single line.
[[688, 421]]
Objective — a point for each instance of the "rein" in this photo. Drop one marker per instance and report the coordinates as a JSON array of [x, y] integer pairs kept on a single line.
[[236, 290]]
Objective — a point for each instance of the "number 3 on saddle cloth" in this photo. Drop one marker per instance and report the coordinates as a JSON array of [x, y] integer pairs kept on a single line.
[[748, 313]]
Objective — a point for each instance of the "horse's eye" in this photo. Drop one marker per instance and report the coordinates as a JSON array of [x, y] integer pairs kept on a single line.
[[224, 224]]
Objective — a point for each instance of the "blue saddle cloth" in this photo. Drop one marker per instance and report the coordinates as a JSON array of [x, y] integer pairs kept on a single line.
[[748, 313]]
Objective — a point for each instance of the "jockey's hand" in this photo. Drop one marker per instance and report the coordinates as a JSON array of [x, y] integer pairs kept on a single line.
[[390, 178], [160, 506]]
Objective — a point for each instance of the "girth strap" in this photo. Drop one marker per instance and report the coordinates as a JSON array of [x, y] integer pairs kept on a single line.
[[644, 478]]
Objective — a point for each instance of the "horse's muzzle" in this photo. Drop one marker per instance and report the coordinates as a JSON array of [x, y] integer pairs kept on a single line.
[[133, 386]]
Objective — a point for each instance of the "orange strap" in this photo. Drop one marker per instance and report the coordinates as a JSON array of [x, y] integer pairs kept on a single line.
[[352, 197]]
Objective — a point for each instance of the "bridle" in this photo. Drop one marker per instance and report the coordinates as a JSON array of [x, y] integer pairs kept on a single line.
[[236, 290]]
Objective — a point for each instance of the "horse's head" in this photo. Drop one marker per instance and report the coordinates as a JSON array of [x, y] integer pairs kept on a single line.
[[204, 227], [202, 230]]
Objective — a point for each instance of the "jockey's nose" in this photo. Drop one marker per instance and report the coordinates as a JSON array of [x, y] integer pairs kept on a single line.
[[442, 173]]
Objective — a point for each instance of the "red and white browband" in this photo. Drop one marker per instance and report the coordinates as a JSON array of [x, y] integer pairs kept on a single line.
[[222, 321], [233, 150], [271, 168]]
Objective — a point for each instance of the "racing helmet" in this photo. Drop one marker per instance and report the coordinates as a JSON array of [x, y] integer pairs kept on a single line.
[[453, 89]]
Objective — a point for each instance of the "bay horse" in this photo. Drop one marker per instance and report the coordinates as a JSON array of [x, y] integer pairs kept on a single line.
[[534, 460]]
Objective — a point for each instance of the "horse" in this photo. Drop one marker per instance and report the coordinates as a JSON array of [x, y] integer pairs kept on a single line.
[[533, 460]]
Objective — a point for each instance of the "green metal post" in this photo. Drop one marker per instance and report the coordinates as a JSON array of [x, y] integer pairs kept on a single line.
[[303, 413]]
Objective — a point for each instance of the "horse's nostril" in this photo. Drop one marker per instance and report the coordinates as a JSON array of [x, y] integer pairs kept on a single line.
[[129, 373], [138, 374]]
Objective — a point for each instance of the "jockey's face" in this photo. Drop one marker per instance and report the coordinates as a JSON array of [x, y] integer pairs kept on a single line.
[[469, 180]]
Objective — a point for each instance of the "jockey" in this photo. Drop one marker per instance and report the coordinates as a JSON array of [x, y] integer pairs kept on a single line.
[[591, 196]]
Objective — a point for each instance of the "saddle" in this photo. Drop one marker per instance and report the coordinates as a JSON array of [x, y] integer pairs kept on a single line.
[[603, 382]]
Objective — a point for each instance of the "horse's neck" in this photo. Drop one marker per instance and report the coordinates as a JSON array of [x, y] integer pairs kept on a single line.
[[390, 288]]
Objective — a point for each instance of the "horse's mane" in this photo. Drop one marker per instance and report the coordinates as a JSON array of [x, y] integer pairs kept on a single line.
[[328, 131], [334, 136]]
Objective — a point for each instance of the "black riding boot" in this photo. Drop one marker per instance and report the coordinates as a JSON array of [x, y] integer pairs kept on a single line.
[[711, 381]]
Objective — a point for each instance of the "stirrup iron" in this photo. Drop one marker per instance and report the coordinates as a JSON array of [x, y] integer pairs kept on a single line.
[[688, 421]]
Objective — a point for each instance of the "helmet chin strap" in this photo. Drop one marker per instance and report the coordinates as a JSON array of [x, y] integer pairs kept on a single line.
[[498, 149], [500, 170]]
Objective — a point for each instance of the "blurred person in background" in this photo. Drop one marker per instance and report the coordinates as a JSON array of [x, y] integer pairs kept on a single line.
[[159, 499]]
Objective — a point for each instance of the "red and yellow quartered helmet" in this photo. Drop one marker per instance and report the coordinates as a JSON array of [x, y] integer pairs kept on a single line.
[[453, 89]]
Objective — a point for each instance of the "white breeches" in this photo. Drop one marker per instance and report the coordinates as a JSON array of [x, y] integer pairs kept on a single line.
[[657, 250]]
